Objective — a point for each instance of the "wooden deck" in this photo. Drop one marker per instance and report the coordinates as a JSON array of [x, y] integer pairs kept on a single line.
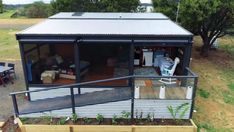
[[171, 92], [98, 97]]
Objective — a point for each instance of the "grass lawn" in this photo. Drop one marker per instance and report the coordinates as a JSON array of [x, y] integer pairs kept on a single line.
[[215, 95], [9, 46], [7, 14]]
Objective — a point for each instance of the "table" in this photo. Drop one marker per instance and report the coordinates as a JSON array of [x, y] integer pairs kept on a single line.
[[5, 69]]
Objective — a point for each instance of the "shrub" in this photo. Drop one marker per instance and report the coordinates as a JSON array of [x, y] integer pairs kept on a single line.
[[114, 120], [203, 93], [62, 121], [74, 117], [87, 120], [181, 110], [99, 118]]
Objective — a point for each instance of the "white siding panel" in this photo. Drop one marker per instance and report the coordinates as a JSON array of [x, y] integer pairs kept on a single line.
[[50, 94], [54, 113], [107, 109], [159, 107], [88, 90]]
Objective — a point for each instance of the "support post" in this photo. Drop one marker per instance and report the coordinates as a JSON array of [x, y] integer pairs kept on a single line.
[[193, 96], [15, 105], [132, 79], [132, 98], [72, 100], [186, 61], [21, 47], [77, 63]]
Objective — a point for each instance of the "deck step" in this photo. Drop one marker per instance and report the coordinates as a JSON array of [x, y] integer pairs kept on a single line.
[[97, 97]]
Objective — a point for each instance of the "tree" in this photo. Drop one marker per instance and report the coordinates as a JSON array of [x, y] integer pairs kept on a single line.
[[94, 5], [167, 7], [118, 5], [1, 7], [37, 10], [208, 18]]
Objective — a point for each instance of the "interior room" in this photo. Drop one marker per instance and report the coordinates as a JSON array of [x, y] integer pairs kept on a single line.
[[104, 61], [50, 64], [152, 60], [55, 63]]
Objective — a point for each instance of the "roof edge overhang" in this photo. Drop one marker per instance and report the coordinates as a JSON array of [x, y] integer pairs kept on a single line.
[[48, 38]]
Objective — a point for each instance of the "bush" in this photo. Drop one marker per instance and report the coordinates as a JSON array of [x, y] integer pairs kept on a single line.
[[37, 10], [203, 93]]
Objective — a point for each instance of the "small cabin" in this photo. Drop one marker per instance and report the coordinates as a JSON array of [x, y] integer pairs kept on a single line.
[[106, 63]]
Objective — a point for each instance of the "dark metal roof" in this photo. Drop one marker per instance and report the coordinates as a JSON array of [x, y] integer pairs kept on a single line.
[[109, 16], [106, 24]]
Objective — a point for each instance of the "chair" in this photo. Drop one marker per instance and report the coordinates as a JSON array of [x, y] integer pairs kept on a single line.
[[2, 63], [170, 72], [2, 79], [12, 71]]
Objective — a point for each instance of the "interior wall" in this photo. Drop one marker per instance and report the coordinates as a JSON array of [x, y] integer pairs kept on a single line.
[[64, 50], [173, 52], [33, 54]]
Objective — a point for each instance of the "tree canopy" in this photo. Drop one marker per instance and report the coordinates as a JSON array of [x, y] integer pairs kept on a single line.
[[37, 10], [1, 7], [94, 5], [208, 18], [167, 7]]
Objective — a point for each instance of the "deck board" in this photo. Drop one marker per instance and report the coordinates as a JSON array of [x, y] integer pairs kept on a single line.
[[171, 92], [98, 97]]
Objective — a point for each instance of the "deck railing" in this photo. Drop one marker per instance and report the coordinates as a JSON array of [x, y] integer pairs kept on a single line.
[[132, 78]]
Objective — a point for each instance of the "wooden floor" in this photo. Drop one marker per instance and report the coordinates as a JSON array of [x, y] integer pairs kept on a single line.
[[98, 97], [103, 72], [171, 92]]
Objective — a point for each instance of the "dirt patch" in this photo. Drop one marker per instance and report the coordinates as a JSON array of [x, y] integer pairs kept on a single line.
[[9, 126], [214, 78], [6, 109], [105, 121]]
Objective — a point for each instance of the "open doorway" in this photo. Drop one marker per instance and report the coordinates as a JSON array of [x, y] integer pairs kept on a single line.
[[103, 61]]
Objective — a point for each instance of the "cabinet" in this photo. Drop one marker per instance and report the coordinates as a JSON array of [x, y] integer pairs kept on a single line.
[[147, 58]]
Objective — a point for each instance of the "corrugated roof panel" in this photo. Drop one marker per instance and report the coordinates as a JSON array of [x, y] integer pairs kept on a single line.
[[106, 27]]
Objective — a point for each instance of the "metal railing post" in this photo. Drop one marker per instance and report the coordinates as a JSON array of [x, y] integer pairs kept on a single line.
[[132, 98], [72, 100], [15, 105]]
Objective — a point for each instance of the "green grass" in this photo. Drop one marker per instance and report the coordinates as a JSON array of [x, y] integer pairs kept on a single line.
[[228, 97], [231, 86], [7, 14], [210, 128], [9, 46], [228, 48], [203, 93], [227, 44]]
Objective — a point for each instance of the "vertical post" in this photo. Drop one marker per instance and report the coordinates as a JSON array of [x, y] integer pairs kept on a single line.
[[132, 79], [15, 105], [77, 63], [132, 98], [38, 52], [186, 62], [72, 100], [193, 96], [21, 47]]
